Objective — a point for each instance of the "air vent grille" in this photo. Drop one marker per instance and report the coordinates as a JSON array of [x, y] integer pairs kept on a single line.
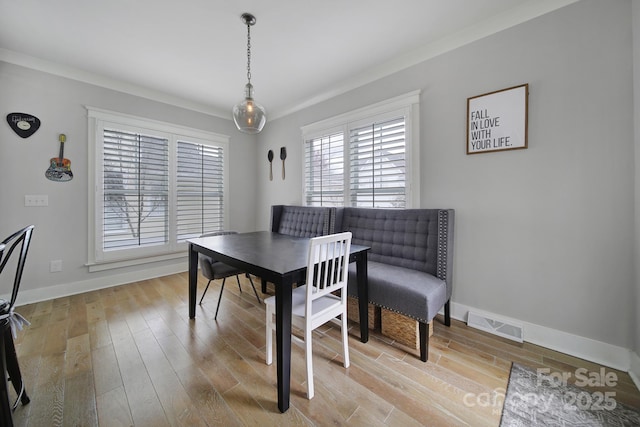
[[511, 331]]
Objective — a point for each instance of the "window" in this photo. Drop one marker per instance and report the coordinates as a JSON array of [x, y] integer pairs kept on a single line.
[[136, 190], [377, 167], [324, 171], [155, 186], [377, 155], [200, 189]]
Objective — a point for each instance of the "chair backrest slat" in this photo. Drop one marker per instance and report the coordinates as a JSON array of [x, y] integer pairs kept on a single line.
[[327, 265]]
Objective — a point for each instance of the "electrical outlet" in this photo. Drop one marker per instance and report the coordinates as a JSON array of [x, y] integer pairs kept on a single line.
[[55, 266], [36, 200]]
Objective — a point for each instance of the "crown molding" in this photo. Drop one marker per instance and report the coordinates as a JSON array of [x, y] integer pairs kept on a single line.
[[509, 18], [80, 75]]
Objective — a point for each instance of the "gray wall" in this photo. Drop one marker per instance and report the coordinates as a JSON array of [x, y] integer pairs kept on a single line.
[[542, 234], [61, 228]]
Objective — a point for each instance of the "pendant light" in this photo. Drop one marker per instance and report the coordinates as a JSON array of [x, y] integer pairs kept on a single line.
[[248, 115]]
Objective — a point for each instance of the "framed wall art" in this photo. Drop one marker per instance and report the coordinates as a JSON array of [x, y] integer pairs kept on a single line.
[[497, 121]]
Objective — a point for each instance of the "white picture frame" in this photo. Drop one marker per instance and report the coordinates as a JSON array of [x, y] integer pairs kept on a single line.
[[497, 121]]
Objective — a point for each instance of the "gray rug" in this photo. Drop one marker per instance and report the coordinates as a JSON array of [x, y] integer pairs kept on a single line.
[[542, 399]]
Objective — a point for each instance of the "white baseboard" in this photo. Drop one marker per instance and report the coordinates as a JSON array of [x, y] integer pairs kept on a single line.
[[29, 296], [585, 348]]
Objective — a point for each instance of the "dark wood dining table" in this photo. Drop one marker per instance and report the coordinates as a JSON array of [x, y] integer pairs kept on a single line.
[[281, 260]]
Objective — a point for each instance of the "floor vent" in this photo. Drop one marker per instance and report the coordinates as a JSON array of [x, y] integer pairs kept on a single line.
[[496, 327]]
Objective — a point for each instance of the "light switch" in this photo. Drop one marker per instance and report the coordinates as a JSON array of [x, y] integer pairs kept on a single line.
[[36, 200]]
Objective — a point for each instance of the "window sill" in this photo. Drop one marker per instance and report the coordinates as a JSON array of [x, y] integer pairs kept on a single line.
[[110, 265]]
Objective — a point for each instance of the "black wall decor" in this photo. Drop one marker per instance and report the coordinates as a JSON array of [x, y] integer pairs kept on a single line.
[[23, 124]]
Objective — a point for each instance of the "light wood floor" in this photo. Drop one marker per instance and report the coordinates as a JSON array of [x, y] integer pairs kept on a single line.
[[129, 355]]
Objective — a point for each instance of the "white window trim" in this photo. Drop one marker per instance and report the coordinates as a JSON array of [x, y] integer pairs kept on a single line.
[[408, 105], [96, 118]]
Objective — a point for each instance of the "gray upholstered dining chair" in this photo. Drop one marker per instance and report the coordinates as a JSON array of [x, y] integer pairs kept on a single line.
[[213, 270]]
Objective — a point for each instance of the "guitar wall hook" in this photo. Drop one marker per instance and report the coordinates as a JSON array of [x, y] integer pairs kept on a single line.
[[59, 167]]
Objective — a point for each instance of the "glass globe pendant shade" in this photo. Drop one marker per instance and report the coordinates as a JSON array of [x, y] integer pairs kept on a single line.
[[248, 115]]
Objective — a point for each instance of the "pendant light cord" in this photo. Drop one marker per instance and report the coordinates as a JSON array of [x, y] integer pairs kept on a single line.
[[249, 52]]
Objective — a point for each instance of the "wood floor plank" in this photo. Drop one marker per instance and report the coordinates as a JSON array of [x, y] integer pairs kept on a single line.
[[32, 339], [217, 370], [47, 392], [113, 409], [79, 406], [78, 355], [134, 318], [405, 396], [129, 355], [60, 311], [178, 407], [399, 418], [78, 324], [99, 334], [55, 337], [145, 407], [210, 403], [95, 312], [362, 417], [177, 356], [43, 307], [106, 372]]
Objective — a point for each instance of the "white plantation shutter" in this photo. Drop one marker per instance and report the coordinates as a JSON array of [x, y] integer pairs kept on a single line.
[[200, 189], [377, 159], [155, 186], [324, 170], [135, 190], [365, 158]]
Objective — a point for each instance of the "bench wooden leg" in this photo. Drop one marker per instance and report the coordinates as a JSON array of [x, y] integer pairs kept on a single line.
[[423, 329]]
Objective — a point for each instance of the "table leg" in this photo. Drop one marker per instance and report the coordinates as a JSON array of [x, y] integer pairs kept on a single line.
[[193, 281], [363, 295], [283, 341]]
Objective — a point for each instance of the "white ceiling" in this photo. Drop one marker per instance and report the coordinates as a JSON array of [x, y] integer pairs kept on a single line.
[[193, 52]]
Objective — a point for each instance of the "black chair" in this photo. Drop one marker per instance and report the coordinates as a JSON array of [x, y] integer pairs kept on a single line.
[[212, 270], [6, 418], [10, 321]]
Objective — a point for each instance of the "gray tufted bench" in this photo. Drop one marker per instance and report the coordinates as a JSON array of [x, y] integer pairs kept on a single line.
[[410, 262], [301, 221]]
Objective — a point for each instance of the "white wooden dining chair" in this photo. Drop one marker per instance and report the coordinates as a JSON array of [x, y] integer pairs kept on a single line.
[[317, 302]]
